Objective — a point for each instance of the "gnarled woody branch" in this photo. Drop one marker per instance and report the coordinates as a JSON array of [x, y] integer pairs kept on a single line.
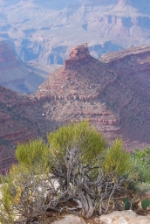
[[80, 187], [72, 186]]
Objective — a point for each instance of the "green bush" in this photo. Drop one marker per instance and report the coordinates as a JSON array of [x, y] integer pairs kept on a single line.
[[142, 187], [140, 172], [80, 135], [7, 213], [75, 157], [141, 164], [117, 160], [36, 159], [33, 154]]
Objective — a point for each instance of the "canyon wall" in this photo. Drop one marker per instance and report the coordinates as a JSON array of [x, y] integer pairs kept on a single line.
[[112, 93]]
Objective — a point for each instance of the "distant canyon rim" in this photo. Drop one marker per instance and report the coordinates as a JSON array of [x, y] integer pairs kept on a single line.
[[45, 31]]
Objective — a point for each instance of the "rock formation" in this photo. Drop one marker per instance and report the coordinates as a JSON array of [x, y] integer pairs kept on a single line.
[[18, 76], [113, 94], [78, 54], [15, 127]]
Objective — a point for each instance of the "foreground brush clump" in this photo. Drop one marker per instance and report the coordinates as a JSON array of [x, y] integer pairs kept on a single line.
[[75, 171]]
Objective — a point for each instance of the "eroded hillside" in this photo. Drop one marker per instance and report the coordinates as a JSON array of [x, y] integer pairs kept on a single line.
[[112, 93]]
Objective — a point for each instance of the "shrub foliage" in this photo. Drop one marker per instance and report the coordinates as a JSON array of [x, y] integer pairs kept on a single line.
[[75, 171]]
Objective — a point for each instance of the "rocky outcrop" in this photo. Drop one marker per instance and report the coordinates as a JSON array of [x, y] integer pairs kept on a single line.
[[82, 77], [79, 54], [113, 94], [132, 68]]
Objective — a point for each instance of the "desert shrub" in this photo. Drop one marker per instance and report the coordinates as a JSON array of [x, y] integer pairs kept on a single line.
[[74, 171], [117, 160], [7, 214], [141, 161], [140, 172], [33, 154], [142, 187], [24, 194], [85, 172], [80, 135], [22, 183]]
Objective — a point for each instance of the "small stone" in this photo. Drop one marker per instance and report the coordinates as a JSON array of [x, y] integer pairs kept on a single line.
[[70, 219]]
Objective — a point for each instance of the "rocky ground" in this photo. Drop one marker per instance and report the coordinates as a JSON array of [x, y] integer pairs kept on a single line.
[[116, 217], [124, 217]]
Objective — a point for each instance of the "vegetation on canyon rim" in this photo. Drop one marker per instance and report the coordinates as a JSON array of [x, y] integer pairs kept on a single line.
[[75, 171]]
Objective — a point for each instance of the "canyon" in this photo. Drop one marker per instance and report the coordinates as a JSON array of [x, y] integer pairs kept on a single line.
[[112, 93], [45, 31], [19, 76]]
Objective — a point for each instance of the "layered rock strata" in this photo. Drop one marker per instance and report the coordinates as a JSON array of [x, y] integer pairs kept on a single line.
[[113, 94]]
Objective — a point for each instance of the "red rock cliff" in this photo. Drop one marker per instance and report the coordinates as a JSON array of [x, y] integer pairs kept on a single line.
[[77, 54], [113, 94]]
